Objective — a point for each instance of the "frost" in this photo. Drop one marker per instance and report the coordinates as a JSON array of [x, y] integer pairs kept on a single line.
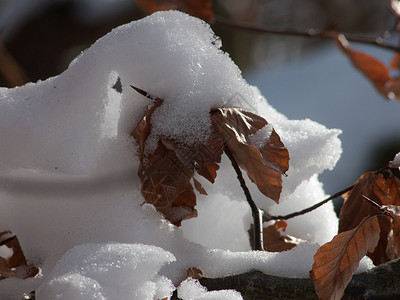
[[68, 169]]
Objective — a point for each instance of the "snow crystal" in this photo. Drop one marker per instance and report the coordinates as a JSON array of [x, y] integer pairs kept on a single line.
[[68, 169]]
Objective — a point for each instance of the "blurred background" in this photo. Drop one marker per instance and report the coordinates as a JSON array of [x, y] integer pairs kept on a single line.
[[301, 77]]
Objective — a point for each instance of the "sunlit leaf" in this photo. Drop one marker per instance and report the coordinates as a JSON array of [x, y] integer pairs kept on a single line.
[[14, 265], [264, 166], [383, 188], [274, 241], [336, 261]]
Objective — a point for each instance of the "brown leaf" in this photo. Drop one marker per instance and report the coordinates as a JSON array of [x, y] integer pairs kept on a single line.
[[197, 8], [395, 62], [166, 173], [194, 273], [372, 68], [15, 265], [280, 224], [336, 261], [383, 188], [199, 187], [264, 166], [166, 184], [275, 242]]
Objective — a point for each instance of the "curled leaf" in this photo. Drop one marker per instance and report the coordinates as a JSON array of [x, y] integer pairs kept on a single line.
[[14, 265], [336, 261], [384, 188], [373, 69], [274, 241], [264, 166], [167, 173]]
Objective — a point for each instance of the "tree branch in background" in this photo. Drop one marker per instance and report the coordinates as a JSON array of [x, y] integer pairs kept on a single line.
[[311, 33]]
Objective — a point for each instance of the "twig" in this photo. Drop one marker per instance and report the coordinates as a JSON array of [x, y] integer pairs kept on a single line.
[[311, 33], [256, 212], [311, 208]]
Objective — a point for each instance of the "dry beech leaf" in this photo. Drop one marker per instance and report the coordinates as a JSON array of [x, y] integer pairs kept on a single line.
[[280, 224], [383, 187], [167, 173], [197, 8], [194, 273], [15, 265], [336, 261], [264, 166], [372, 68], [275, 242]]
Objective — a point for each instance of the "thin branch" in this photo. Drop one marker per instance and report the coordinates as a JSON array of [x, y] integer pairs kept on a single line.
[[311, 33], [256, 212], [311, 208]]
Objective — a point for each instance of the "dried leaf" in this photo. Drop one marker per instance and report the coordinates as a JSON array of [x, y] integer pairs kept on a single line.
[[275, 242], [166, 184], [383, 188], [197, 8], [372, 68], [194, 273], [15, 265], [264, 166], [280, 224], [336, 261], [199, 187], [395, 62], [167, 172]]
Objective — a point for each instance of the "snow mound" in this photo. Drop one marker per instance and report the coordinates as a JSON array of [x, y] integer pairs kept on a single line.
[[68, 168], [108, 271]]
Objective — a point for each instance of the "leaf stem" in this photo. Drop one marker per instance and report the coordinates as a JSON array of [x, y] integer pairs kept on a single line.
[[256, 212], [311, 33], [306, 210]]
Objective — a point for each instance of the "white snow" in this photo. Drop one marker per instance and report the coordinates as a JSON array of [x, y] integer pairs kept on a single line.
[[193, 290], [68, 170], [108, 271], [396, 160]]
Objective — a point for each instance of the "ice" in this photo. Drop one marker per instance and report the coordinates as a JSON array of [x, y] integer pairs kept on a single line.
[[68, 169]]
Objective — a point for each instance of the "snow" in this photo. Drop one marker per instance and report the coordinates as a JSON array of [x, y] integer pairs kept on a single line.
[[396, 160], [192, 289], [68, 170], [109, 271]]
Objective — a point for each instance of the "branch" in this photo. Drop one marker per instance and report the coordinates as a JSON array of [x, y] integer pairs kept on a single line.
[[382, 282], [306, 210], [256, 212], [311, 33]]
